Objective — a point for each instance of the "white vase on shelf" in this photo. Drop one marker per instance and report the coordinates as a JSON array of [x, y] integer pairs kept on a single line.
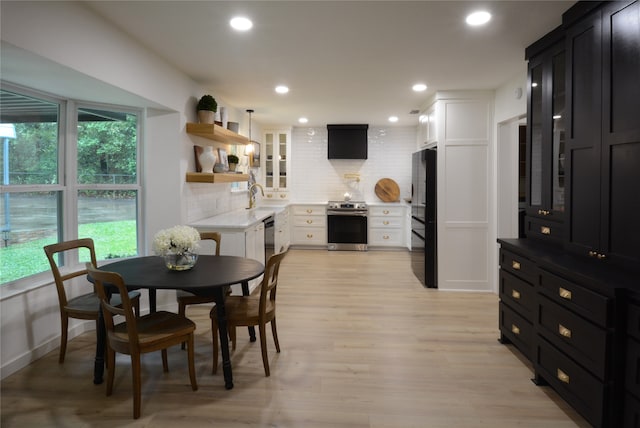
[[207, 159]]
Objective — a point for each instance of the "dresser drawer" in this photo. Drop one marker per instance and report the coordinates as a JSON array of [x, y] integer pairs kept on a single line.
[[386, 237], [386, 211], [549, 231], [577, 386], [309, 221], [518, 294], [519, 266], [632, 367], [631, 412], [518, 330], [582, 340], [386, 222], [590, 305], [309, 210], [633, 320]]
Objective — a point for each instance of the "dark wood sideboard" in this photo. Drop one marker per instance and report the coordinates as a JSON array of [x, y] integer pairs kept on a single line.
[[570, 289]]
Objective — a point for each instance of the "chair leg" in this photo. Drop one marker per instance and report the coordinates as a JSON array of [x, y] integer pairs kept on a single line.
[[182, 311], [232, 336], [263, 348], [192, 367], [136, 306], [111, 363], [165, 362], [214, 340], [274, 330], [64, 325], [137, 384]]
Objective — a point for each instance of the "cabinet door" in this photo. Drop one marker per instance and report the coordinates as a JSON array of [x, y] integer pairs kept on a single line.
[[546, 134], [621, 133], [584, 78], [277, 159]]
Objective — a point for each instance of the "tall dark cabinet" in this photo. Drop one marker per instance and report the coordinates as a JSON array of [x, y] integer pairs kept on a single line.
[[546, 138], [603, 144], [570, 290]]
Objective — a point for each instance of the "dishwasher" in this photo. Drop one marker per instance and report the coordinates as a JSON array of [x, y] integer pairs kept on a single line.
[[269, 237]]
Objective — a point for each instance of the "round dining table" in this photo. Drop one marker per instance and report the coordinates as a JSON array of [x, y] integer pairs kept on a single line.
[[210, 277]]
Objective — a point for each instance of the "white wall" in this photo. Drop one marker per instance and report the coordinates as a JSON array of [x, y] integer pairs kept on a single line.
[[318, 179]]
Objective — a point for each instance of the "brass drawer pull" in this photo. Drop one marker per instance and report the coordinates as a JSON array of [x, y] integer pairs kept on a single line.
[[515, 265], [564, 293], [545, 230], [283, 196], [386, 237], [385, 212], [309, 221], [515, 294], [309, 211], [385, 222], [562, 376], [564, 331], [309, 235], [269, 195], [515, 329]]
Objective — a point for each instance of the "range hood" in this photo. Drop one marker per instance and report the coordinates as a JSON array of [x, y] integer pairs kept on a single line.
[[347, 141]]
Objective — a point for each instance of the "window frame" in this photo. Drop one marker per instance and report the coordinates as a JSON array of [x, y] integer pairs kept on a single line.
[[67, 183]]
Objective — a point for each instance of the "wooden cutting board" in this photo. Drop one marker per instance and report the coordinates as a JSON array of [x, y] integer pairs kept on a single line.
[[387, 190]]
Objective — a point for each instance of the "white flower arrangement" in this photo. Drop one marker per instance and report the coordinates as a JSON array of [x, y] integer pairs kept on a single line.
[[176, 240]]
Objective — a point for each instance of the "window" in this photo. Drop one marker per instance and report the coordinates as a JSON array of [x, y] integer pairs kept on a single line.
[[59, 185]]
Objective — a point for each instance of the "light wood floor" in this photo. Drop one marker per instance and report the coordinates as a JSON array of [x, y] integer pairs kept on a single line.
[[363, 345]]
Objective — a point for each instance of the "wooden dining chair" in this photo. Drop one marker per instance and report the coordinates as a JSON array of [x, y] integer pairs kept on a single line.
[[258, 309], [184, 297], [85, 306], [156, 331]]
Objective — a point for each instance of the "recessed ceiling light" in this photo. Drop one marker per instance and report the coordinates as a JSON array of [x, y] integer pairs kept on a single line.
[[281, 89], [241, 23], [419, 87], [478, 18], [393, 118], [303, 120]]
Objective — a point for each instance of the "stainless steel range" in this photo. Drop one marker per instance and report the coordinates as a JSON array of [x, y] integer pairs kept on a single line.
[[347, 225]]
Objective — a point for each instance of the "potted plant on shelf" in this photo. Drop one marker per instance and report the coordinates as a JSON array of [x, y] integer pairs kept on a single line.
[[207, 107], [233, 162]]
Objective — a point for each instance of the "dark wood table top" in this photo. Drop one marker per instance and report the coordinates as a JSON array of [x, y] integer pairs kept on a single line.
[[208, 273]]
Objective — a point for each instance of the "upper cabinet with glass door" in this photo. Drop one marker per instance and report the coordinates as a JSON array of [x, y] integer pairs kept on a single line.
[[277, 165], [546, 138]]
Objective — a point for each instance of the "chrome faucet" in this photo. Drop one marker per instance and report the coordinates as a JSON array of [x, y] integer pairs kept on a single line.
[[252, 198]]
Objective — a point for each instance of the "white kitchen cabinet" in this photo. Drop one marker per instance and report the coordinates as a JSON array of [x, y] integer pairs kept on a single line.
[[387, 226], [309, 225], [282, 234], [427, 135], [248, 242], [277, 153]]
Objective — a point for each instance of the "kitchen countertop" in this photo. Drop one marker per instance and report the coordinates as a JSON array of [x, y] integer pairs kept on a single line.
[[238, 219]]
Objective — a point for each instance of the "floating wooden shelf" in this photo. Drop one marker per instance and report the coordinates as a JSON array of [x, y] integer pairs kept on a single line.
[[208, 177], [216, 133]]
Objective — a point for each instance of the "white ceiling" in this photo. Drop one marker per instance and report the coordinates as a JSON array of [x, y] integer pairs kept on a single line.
[[344, 61]]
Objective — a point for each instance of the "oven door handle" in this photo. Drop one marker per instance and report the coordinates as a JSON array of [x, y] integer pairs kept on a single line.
[[348, 213]]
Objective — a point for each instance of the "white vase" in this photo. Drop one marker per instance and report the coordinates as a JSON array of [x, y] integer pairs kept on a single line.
[[207, 159], [224, 116], [205, 116]]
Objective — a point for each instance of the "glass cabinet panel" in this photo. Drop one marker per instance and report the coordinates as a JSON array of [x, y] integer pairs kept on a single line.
[[282, 159], [269, 160], [535, 154], [558, 128]]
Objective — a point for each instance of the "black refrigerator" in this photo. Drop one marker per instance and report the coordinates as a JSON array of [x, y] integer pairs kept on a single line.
[[424, 255]]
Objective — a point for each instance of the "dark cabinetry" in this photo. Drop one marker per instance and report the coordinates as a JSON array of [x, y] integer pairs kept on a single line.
[[517, 301], [603, 141], [546, 138], [632, 366], [571, 334]]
